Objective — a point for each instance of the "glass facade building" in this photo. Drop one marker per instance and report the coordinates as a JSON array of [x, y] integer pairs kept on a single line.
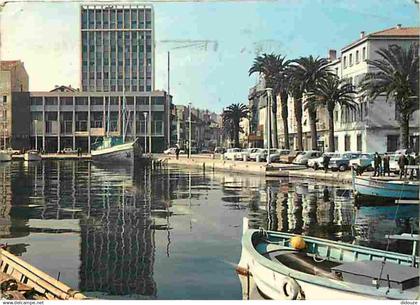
[[117, 48]]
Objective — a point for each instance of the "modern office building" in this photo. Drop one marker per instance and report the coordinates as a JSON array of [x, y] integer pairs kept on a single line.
[[117, 48]]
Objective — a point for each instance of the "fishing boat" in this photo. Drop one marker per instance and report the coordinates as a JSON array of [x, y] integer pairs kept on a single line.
[[116, 149], [325, 269], [376, 188], [20, 281], [32, 155]]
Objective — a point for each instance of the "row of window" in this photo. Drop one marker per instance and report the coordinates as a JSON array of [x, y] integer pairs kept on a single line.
[[81, 101], [354, 60], [350, 115], [106, 18]]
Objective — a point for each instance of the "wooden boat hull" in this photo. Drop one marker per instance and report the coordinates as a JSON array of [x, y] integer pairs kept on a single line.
[[42, 283], [274, 279], [386, 189], [5, 156], [32, 156]]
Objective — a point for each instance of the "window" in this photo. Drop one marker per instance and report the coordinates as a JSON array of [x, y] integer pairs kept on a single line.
[[4, 100], [357, 57], [50, 101], [335, 143], [34, 100], [364, 53], [351, 59], [347, 142], [392, 142], [359, 142], [345, 62]]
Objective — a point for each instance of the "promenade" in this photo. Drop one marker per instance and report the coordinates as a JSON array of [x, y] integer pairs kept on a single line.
[[214, 162]]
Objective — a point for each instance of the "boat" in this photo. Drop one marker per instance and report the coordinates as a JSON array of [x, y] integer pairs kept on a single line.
[[115, 150], [5, 156], [32, 155], [376, 188], [20, 280], [326, 269]]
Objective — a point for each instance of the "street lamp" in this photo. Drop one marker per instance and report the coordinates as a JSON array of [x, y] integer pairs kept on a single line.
[[269, 96], [189, 130], [145, 131]]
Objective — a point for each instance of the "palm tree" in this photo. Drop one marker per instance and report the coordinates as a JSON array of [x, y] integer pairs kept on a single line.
[[396, 76], [273, 68], [232, 116], [307, 72], [328, 93]]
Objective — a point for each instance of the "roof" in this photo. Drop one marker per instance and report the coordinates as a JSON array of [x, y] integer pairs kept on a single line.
[[399, 32], [9, 64], [64, 89]]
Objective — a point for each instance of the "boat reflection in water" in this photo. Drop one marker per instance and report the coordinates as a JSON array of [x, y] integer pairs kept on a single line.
[[127, 232]]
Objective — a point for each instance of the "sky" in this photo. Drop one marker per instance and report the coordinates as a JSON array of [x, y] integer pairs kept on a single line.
[[45, 36]]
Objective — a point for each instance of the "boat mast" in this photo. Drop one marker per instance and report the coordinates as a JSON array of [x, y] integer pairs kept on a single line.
[[36, 135]]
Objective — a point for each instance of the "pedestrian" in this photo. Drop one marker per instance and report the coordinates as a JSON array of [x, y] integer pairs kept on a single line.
[[79, 151], [377, 165], [386, 169], [402, 160], [177, 150], [325, 162], [411, 161]]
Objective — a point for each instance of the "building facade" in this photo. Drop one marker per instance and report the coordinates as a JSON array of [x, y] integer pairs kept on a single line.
[[77, 119], [117, 48], [14, 81], [373, 125]]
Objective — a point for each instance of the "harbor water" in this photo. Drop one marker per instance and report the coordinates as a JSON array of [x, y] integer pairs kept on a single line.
[[169, 233]]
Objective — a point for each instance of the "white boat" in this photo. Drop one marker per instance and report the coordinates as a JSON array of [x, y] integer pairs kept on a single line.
[[5, 156], [32, 155], [112, 151], [326, 269]]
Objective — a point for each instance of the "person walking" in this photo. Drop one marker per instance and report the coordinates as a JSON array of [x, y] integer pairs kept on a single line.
[[325, 162], [386, 169], [411, 161], [177, 150], [377, 165], [402, 160]]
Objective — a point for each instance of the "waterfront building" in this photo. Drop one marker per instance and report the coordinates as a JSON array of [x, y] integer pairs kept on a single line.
[[374, 125], [117, 48], [257, 106], [206, 127], [13, 81], [76, 119]]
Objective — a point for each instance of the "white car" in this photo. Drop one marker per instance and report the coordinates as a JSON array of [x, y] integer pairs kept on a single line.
[[365, 159], [303, 158], [231, 153], [317, 162], [253, 155], [170, 151], [262, 154], [275, 157], [247, 152]]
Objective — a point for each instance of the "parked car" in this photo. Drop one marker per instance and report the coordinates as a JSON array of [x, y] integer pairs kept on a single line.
[[341, 161], [393, 163], [264, 153], [365, 159], [205, 151], [290, 157], [219, 150], [257, 152], [279, 152], [247, 152], [302, 159], [316, 163], [231, 153], [170, 151], [69, 150]]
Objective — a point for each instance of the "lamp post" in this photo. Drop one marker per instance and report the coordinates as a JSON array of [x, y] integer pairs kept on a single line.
[[36, 134], [145, 131], [269, 96], [189, 130]]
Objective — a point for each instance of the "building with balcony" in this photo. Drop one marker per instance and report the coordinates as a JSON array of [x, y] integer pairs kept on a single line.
[[117, 48], [77, 119]]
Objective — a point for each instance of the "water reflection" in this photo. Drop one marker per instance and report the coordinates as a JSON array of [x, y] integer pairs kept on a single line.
[[170, 233]]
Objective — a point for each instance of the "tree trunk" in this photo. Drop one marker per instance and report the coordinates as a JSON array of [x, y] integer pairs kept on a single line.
[[237, 135], [284, 116], [274, 122], [331, 140], [404, 131], [312, 125], [298, 117]]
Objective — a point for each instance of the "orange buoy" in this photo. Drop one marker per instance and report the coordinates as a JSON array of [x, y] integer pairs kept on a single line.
[[297, 242]]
